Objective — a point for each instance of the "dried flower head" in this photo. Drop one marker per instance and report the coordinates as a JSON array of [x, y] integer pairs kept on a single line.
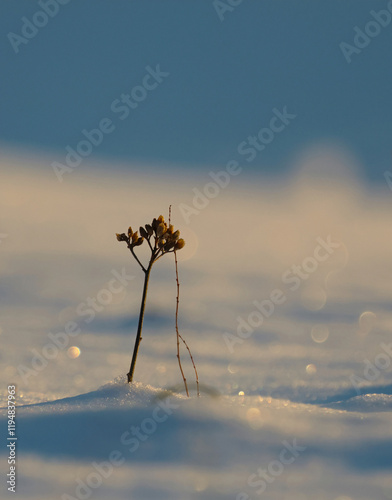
[[143, 232], [161, 229], [161, 238], [121, 237], [180, 244]]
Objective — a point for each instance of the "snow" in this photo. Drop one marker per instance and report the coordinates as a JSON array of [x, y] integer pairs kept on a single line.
[[315, 377], [366, 403], [207, 447]]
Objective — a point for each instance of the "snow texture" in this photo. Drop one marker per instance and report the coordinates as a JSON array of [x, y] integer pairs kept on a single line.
[[297, 408]]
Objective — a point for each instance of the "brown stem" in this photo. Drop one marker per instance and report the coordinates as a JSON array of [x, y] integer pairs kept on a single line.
[[140, 325], [136, 257], [193, 363], [177, 332]]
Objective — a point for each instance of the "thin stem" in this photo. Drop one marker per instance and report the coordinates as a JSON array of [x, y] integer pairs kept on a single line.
[[140, 264], [193, 363], [140, 325], [157, 256], [177, 332], [149, 244]]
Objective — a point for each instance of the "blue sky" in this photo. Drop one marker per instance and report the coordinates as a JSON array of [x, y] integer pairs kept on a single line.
[[225, 79]]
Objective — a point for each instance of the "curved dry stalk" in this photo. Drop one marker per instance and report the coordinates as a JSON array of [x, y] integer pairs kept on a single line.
[[193, 363], [177, 332], [179, 336]]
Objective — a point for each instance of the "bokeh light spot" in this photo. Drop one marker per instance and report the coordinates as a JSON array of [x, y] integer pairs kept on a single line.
[[319, 333], [73, 352], [253, 416], [367, 321], [311, 369]]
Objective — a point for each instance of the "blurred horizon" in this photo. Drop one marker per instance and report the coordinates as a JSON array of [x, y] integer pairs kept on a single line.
[[223, 79]]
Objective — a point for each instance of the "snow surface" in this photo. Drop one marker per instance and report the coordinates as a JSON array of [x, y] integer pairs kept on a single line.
[[308, 375], [206, 448]]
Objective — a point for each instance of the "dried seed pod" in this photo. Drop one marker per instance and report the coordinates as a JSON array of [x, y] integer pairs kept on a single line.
[[179, 244], [121, 237], [135, 237], [170, 229], [167, 236], [169, 245], [139, 242], [154, 224], [176, 235], [149, 229], [130, 232], [143, 232], [161, 218], [161, 229], [161, 243]]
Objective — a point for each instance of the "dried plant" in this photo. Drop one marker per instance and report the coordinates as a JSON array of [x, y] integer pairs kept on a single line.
[[161, 239]]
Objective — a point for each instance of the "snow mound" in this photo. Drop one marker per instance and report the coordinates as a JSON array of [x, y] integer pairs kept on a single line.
[[113, 395], [365, 403]]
